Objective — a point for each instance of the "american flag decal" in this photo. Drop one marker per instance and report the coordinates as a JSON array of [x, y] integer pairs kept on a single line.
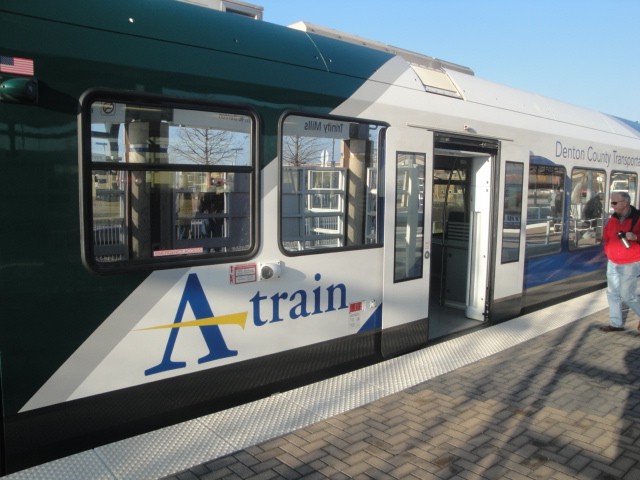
[[16, 65]]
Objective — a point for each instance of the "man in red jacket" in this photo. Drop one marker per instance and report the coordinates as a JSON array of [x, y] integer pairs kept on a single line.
[[621, 246]]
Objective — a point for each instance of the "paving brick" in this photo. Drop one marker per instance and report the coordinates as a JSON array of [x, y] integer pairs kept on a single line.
[[212, 475], [578, 461], [471, 467], [187, 476], [403, 471], [265, 475], [246, 458], [607, 469], [293, 449], [266, 465], [241, 470], [269, 453], [510, 475], [625, 463], [287, 473], [633, 474], [357, 468], [517, 464]]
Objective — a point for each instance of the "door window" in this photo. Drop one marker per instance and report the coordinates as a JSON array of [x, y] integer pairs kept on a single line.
[[545, 209], [409, 214], [512, 219]]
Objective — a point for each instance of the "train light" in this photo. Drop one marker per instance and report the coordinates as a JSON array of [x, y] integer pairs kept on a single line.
[[270, 270], [23, 90]]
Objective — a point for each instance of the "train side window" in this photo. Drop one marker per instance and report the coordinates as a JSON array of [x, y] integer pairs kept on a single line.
[[545, 209], [624, 182], [586, 213], [329, 183], [165, 185]]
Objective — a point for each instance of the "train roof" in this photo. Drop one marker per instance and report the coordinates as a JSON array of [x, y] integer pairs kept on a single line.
[[305, 45], [199, 27], [451, 79]]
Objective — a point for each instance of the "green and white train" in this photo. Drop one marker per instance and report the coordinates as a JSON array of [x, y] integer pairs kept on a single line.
[[200, 209]]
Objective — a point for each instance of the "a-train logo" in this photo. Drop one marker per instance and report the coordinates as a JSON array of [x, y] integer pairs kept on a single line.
[[209, 325]]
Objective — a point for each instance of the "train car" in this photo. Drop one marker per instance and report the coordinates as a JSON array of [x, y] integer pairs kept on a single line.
[[200, 209]]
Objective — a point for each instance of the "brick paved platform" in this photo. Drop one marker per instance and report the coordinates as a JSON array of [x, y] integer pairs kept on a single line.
[[564, 405]]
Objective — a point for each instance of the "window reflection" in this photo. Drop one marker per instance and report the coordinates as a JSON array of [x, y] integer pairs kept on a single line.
[[545, 209], [409, 231], [624, 182], [329, 180], [512, 218], [586, 213], [168, 183]]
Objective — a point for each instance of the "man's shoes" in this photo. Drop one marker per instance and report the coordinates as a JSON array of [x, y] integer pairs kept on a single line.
[[609, 328]]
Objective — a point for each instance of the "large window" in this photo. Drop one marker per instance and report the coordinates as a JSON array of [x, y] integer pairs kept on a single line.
[[586, 213], [165, 184], [329, 183], [545, 209]]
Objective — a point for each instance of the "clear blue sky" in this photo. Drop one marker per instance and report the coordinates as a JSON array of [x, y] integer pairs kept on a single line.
[[584, 52]]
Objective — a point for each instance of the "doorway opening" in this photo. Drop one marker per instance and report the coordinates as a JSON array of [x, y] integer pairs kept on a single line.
[[460, 238]]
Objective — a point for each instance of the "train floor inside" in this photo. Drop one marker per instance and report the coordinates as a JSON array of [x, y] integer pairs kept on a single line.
[[445, 321]]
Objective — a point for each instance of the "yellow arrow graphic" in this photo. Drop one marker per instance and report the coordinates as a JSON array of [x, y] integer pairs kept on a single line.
[[231, 319]]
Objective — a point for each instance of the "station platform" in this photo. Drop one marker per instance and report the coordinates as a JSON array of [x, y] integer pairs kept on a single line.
[[544, 396]]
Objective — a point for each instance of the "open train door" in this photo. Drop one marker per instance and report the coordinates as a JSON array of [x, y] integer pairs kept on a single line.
[[464, 179], [407, 234], [511, 232]]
